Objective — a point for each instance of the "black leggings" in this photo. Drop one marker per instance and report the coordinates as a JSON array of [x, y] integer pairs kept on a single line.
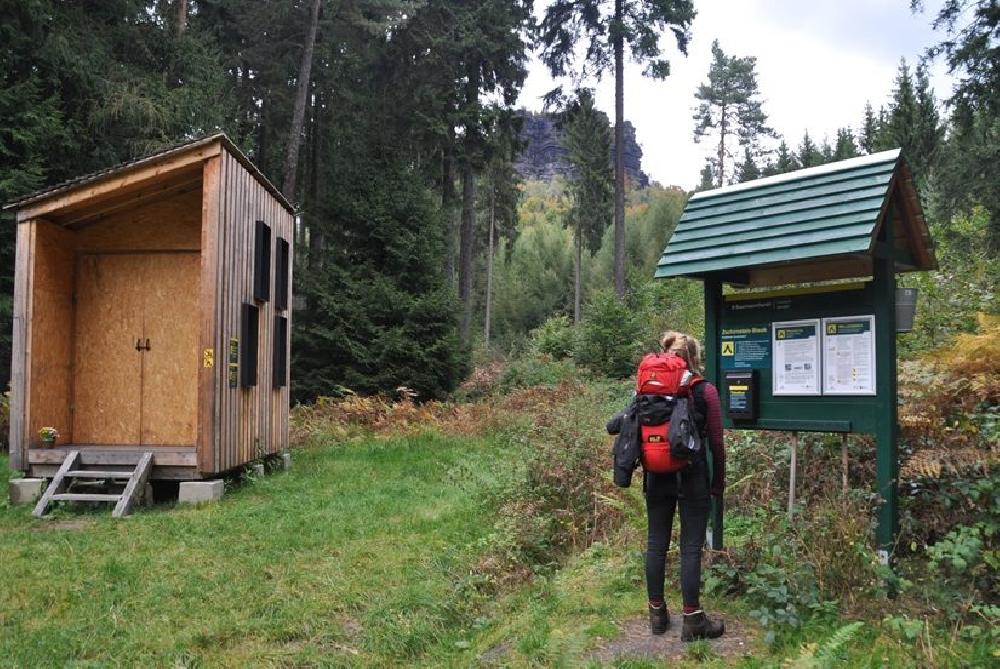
[[662, 497]]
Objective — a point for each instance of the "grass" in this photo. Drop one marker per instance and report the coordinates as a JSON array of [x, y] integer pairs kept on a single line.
[[355, 557]]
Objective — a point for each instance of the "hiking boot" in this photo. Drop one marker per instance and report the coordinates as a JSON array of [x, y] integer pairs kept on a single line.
[[699, 626], [659, 619]]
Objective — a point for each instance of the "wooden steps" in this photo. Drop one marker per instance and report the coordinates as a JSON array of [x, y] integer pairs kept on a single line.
[[71, 470]]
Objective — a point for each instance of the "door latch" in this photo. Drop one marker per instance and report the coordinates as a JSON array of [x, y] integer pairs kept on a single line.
[[139, 346]]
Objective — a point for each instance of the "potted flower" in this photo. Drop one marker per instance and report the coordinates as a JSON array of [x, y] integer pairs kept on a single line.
[[48, 435]]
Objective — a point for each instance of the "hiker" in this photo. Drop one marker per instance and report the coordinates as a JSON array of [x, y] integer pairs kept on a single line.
[[690, 490]]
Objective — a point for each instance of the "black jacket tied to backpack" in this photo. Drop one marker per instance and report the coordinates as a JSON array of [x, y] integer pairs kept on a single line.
[[627, 450]]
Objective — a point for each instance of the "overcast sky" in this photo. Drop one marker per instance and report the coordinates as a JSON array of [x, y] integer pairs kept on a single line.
[[818, 61]]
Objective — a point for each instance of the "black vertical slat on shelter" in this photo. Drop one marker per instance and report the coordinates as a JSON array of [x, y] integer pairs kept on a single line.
[[249, 329], [262, 262], [280, 351], [281, 274]]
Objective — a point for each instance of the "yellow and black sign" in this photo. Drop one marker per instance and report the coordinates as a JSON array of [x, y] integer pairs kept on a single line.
[[728, 348], [208, 358], [234, 362]]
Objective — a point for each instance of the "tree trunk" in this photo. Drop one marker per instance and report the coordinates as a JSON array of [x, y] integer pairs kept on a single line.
[[182, 11], [317, 240], [489, 269], [578, 273], [465, 247], [467, 229], [448, 203], [299, 111], [722, 146], [619, 155]]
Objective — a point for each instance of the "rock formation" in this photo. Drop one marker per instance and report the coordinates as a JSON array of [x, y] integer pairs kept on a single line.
[[543, 157]]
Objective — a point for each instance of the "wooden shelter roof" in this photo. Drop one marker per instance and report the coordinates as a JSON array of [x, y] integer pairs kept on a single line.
[[813, 224], [173, 169]]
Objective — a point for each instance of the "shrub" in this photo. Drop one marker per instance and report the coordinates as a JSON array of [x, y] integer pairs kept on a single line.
[[610, 337], [530, 371], [553, 338]]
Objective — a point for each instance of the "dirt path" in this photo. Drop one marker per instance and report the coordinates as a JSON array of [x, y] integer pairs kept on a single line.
[[635, 641]]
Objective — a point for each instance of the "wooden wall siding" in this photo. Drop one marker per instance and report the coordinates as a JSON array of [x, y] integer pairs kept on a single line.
[[51, 332], [19, 376], [210, 315], [252, 421]]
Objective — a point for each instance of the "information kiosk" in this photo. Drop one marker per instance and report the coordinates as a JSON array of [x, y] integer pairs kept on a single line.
[[806, 340]]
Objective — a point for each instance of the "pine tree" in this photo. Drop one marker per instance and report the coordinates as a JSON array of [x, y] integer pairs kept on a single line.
[[845, 148], [748, 170], [587, 139], [868, 137], [967, 177], [927, 131], [898, 130], [784, 161], [729, 108], [608, 27], [809, 155], [707, 176]]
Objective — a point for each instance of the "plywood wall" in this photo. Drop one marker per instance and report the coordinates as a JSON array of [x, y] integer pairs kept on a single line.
[[172, 224], [251, 422], [51, 314]]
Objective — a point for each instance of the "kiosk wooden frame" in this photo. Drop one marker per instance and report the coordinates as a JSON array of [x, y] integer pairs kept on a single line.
[[131, 288], [854, 219]]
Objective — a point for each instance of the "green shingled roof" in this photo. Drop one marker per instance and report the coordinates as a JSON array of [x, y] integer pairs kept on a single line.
[[816, 213]]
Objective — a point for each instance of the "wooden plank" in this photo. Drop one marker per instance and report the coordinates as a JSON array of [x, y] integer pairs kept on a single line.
[[58, 483], [171, 366], [207, 319], [84, 497], [18, 384], [116, 183], [244, 264], [99, 474], [135, 487], [107, 367], [117, 456], [159, 472], [840, 267]]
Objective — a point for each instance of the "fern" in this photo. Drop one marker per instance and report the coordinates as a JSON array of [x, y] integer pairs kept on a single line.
[[827, 654]]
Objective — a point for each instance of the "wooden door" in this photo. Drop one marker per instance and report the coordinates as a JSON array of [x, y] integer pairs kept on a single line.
[[170, 365], [107, 367]]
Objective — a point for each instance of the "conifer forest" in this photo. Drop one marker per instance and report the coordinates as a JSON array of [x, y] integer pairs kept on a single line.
[[462, 329]]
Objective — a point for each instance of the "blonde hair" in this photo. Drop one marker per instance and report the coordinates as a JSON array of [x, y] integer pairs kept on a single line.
[[686, 346]]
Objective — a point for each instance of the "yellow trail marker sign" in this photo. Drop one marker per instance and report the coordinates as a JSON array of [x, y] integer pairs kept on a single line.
[[728, 348]]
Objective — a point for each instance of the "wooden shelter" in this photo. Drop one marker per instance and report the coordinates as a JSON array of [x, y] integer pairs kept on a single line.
[[152, 316]]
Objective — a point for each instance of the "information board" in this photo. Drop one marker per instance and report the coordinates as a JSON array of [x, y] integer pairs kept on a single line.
[[746, 347], [796, 351], [849, 355]]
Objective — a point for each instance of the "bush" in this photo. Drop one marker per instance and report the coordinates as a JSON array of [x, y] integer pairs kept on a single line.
[[808, 567], [529, 371], [554, 338], [610, 338]]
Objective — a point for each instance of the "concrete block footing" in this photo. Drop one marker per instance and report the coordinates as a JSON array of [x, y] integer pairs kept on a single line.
[[201, 492], [257, 469], [26, 491], [286, 461]]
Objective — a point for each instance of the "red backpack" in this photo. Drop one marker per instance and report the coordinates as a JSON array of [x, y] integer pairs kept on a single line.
[[664, 385]]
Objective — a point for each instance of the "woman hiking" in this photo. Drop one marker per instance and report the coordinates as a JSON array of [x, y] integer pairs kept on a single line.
[[689, 490]]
